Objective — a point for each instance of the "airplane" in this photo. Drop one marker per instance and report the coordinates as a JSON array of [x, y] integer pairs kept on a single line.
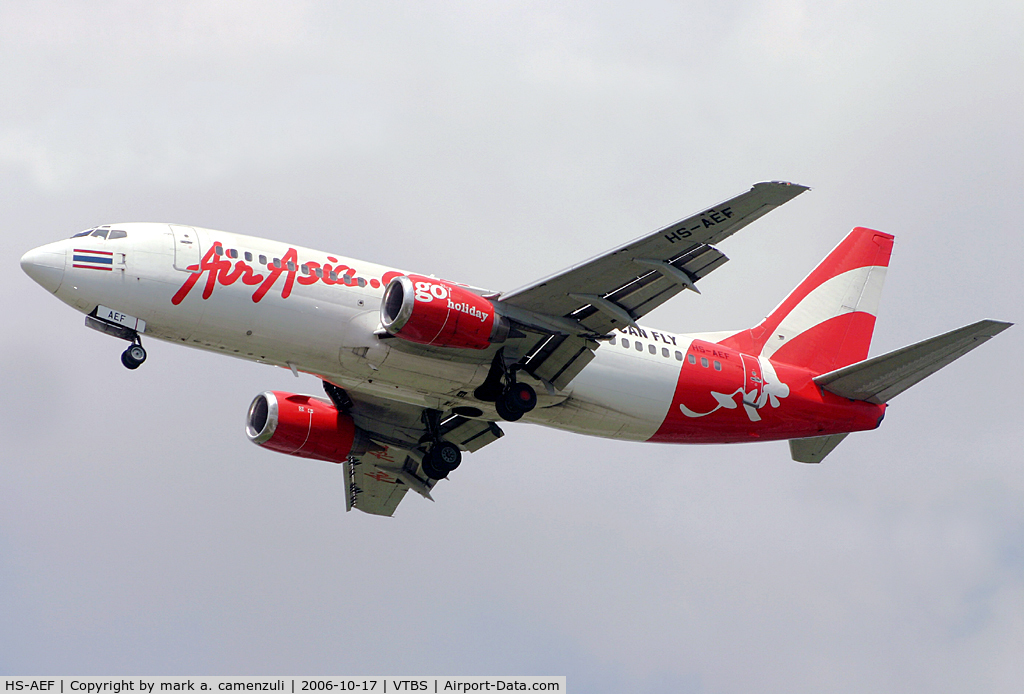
[[418, 370]]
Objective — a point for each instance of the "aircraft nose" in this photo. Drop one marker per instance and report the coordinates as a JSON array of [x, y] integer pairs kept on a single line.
[[46, 265]]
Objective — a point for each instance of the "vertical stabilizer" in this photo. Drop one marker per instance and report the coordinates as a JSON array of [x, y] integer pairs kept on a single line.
[[827, 321]]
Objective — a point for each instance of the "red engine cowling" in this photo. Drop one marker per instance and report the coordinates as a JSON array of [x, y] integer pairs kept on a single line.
[[429, 311], [304, 426]]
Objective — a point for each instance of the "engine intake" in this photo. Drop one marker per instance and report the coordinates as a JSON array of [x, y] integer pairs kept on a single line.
[[304, 426], [435, 312]]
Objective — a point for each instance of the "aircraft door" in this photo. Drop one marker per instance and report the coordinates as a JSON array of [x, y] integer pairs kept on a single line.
[[187, 249], [753, 385]]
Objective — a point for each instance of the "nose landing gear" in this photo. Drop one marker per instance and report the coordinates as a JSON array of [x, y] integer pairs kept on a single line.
[[132, 357]]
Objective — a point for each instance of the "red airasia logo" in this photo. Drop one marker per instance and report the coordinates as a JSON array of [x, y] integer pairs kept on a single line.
[[220, 270]]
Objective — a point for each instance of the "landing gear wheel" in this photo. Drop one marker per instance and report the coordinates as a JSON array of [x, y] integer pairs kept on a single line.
[[448, 454], [520, 396], [430, 468], [133, 357], [137, 353], [509, 415], [515, 401], [442, 458]]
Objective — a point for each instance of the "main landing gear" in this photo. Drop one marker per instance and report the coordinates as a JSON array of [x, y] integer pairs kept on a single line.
[[133, 357], [516, 400], [443, 456], [511, 398]]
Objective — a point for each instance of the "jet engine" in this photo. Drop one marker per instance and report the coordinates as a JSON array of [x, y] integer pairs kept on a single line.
[[434, 312], [304, 426]]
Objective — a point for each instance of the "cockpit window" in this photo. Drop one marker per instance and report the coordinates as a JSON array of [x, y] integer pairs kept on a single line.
[[103, 233]]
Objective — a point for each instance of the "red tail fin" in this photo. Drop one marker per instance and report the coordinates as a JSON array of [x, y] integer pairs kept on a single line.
[[827, 321]]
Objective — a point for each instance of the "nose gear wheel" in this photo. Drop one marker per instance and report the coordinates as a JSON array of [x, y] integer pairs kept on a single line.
[[133, 357]]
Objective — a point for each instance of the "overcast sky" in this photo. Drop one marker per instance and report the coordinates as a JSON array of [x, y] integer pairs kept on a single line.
[[494, 143]]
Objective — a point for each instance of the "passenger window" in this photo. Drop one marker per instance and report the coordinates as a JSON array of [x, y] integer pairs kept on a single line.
[[625, 343], [232, 253], [679, 355], [277, 263], [639, 347], [218, 249], [291, 266], [612, 341], [652, 349], [718, 366], [333, 275], [319, 272], [690, 358], [305, 269], [102, 233], [248, 256], [704, 362], [362, 282], [263, 260], [664, 351]]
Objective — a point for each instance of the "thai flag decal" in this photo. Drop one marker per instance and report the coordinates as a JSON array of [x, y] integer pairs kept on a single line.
[[93, 260]]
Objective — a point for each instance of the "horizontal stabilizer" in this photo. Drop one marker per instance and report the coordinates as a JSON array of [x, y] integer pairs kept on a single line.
[[881, 379], [815, 448]]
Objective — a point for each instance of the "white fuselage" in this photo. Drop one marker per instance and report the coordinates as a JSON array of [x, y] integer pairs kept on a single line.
[[319, 315]]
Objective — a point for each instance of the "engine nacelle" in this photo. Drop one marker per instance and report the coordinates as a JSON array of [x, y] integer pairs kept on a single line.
[[304, 426], [434, 312]]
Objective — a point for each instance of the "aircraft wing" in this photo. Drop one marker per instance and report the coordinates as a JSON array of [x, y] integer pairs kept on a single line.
[[620, 286], [378, 480]]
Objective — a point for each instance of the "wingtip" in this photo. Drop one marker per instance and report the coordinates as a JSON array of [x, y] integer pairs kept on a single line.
[[783, 184], [997, 326], [782, 191]]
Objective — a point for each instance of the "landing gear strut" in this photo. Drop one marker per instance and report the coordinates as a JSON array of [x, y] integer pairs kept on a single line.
[[511, 399], [133, 357], [443, 456]]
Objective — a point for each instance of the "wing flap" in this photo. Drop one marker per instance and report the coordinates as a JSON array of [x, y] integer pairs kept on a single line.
[[470, 434], [560, 359], [880, 379], [373, 485], [378, 480]]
